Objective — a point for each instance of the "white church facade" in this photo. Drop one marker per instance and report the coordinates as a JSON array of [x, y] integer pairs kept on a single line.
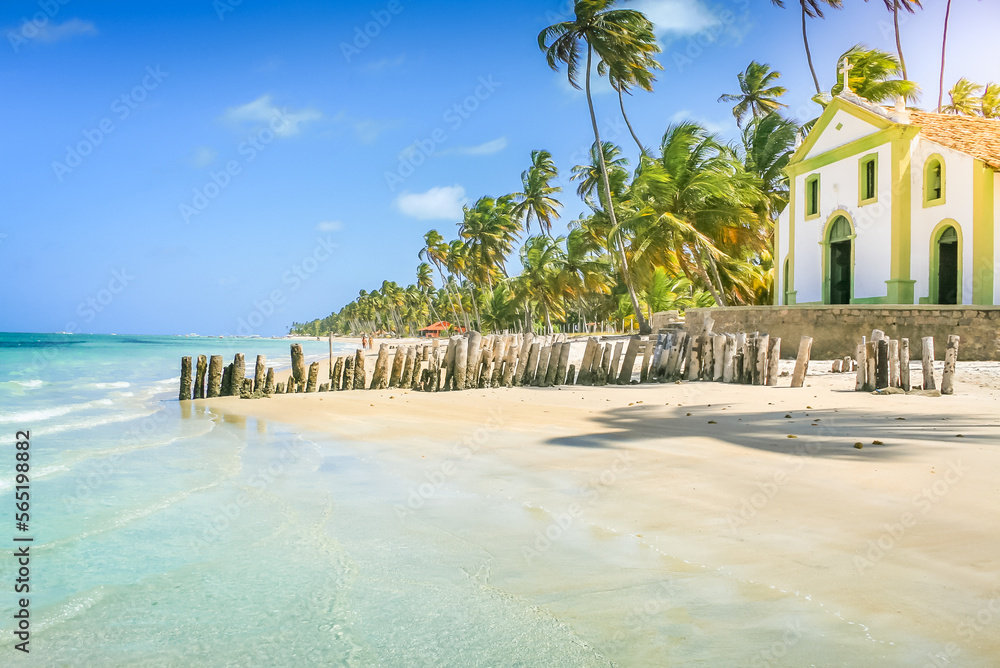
[[891, 206]]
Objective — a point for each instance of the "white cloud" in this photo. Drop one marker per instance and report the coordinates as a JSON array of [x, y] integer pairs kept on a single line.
[[439, 203], [385, 63], [329, 226], [53, 32], [714, 127], [263, 111], [369, 130], [486, 148], [204, 156], [677, 17]]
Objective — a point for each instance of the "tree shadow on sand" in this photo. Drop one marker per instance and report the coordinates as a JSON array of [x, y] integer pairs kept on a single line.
[[825, 433]]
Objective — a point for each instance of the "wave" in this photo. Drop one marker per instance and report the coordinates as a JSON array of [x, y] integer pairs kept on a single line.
[[30, 384], [109, 386], [40, 414], [90, 423], [36, 474]]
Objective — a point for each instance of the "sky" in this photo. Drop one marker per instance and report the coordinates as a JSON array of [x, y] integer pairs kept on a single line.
[[233, 166]]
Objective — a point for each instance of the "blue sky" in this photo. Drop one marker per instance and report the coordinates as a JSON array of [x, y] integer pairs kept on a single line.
[[234, 166]]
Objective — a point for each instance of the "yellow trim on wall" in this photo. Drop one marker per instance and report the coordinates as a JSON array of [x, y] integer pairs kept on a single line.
[[900, 285], [982, 233], [789, 289], [928, 202], [863, 162], [935, 261], [854, 148], [837, 104]]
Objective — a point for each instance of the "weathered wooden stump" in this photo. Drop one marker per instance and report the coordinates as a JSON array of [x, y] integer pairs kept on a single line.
[[563, 363], [461, 362], [545, 351], [510, 364], [298, 364], [837, 366], [360, 376], [215, 367], [927, 343], [773, 360], [239, 372], [199, 379], [348, 373], [269, 382], [589, 352], [336, 380], [904, 364], [882, 364], [406, 376], [760, 369], [312, 383], [615, 363], [861, 358], [802, 361], [380, 380], [279, 388], [324, 387], [227, 381], [449, 364], [628, 364], [522, 359], [246, 389], [529, 371], [397, 366], [185, 389], [893, 352], [474, 357], [950, 360], [604, 371], [871, 365], [552, 364], [259, 370]]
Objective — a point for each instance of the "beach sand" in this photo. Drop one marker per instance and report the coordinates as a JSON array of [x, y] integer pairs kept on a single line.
[[670, 515]]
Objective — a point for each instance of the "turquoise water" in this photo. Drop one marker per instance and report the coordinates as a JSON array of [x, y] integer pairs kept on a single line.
[[166, 535]]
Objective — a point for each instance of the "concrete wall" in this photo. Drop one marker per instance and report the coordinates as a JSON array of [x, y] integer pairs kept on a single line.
[[836, 330]]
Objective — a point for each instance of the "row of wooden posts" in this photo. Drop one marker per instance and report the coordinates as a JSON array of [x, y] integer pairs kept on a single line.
[[883, 363], [476, 361]]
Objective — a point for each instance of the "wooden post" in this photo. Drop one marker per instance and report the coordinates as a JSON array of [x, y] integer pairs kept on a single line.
[[336, 380], [652, 351], [259, 369], [693, 358], [298, 364], [950, 359], [472, 364], [882, 364], [802, 361], [461, 361], [348, 373], [553, 364], [311, 383], [522, 359], [199, 382], [500, 351], [562, 364], [628, 365], [406, 377], [893, 352], [729, 359], [871, 365], [215, 366], [449, 364], [773, 360], [584, 377], [544, 352], [927, 343], [185, 389], [397, 366], [380, 380], [238, 374], [861, 358], [486, 363], [616, 361], [269, 382], [760, 369], [846, 366], [603, 370], [279, 388], [360, 375], [246, 389], [510, 364], [571, 374], [837, 366], [718, 356], [904, 364]]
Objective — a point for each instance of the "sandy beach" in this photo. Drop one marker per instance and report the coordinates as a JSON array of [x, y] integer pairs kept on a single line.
[[624, 490]]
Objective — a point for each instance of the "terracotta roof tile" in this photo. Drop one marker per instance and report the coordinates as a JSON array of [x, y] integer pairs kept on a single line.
[[979, 137]]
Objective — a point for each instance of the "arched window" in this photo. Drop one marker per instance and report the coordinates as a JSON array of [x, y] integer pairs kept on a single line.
[[934, 181]]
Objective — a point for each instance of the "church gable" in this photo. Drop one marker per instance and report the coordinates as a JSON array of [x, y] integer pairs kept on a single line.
[[841, 123]]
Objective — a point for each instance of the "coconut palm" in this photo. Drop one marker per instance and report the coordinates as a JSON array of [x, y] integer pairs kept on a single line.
[[589, 175], [587, 270], [435, 251], [811, 9], [617, 36], [990, 101], [536, 200], [768, 142], [542, 281], [944, 51], [965, 98], [758, 94], [488, 229], [425, 283], [623, 75], [894, 6], [873, 76]]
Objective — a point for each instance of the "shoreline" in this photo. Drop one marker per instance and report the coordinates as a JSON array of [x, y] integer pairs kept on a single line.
[[764, 483]]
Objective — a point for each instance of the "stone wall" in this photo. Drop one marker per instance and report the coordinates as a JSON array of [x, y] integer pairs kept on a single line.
[[836, 330]]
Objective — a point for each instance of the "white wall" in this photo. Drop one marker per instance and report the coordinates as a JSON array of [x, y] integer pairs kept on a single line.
[[957, 206], [872, 222], [996, 238], [853, 128]]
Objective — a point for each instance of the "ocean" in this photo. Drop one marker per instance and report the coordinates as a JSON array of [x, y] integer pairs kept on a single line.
[[165, 535]]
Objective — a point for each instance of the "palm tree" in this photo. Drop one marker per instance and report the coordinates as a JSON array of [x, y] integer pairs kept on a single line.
[[618, 36], [758, 94], [965, 99], [811, 9], [435, 251], [488, 229], [873, 76], [768, 142], [990, 101], [589, 175], [944, 50], [586, 271], [537, 200], [623, 75], [542, 280], [894, 6], [425, 283]]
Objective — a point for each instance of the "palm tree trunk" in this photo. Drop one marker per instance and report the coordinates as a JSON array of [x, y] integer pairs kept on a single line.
[[548, 320], [944, 49], [621, 103], [899, 44], [805, 40], [719, 300], [609, 204]]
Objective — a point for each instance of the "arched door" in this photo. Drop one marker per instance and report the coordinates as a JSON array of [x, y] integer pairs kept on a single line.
[[840, 251], [947, 272]]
